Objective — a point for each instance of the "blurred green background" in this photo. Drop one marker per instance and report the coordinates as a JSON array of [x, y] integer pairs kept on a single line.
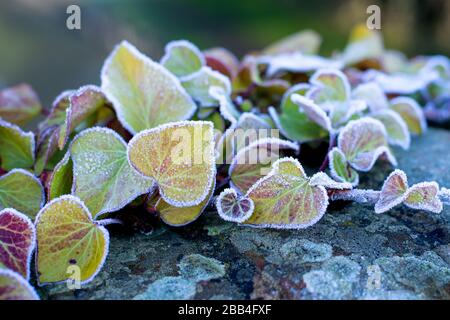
[[36, 47]]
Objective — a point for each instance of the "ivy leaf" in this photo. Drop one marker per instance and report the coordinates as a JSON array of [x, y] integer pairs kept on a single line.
[[306, 41], [393, 191], [143, 93], [312, 111], [424, 196], [254, 161], [182, 58], [66, 236], [362, 142], [61, 180], [285, 198], [340, 169], [233, 208], [373, 95], [292, 122], [222, 60], [103, 179], [322, 179], [17, 240], [179, 156], [16, 147], [396, 128], [20, 190], [19, 104], [14, 287], [197, 84], [411, 113], [181, 216]]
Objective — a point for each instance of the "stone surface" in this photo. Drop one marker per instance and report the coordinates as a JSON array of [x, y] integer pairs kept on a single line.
[[352, 253]]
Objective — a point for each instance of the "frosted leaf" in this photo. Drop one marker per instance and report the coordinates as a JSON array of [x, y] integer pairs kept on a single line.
[[306, 41], [329, 86], [372, 94], [356, 195], [312, 111], [16, 147], [393, 191], [182, 58], [424, 196], [322, 179], [17, 241], [342, 112], [19, 104], [61, 180], [396, 128], [103, 179], [362, 142], [401, 83], [411, 113], [226, 106], [232, 207], [143, 93], [293, 123], [364, 44], [340, 169], [181, 216], [67, 235], [284, 199], [444, 195], [297, 63], [22, 191], [254, 161], [222, 60], [180, 157], [197, 84], [15, 287]]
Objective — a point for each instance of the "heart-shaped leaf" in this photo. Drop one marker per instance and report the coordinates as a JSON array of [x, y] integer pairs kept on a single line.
[[362, 142], [103, 179], [222, 60], [285, 199], [182, 58], [293, 123], [67, 236], [19, 104], [181, 216], [14, 287], [16, 147], [340, 168], [322, 179], [393, 191], [312, 111], [373, 95], [198, 84], [17, 241], [329, 86], [396, 128], [144, 94], [411, 113], [232, 207], [61, 180], [306, 41], [179, 156], [254, 161], [424, 196], [20, 190]]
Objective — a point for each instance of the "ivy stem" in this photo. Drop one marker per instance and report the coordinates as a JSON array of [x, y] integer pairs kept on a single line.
[[331, 145], [105, 222], [356, 195]]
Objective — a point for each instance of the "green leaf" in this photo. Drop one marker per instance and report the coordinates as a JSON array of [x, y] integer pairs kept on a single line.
[[61, 179], [182, 58], [19, 104], [20, 190], [226, 107], [411, 113], [306, 41], [180, 157], [285, 199], [396, 128], [312, 111], [67, 236], [103, 179], [16, 147], [14, 287], [144, 94], [232, 207], [340, 169], [424, 196], [197, 84], [362, 142]]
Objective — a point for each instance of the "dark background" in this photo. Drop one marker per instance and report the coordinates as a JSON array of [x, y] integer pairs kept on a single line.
[[36, 47]]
